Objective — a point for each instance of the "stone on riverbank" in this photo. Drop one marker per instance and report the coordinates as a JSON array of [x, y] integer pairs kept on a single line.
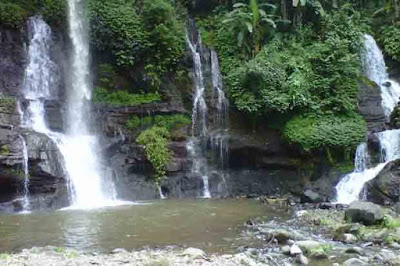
[[364, 212], [354, 262]]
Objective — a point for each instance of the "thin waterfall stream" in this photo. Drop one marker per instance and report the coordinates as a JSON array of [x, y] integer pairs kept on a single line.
[[351, 186], [202, 132]]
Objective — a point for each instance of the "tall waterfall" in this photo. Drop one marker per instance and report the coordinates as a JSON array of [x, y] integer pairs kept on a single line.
[[350, 187], [199, 118], [80, 148], [41, 75], [77, 147], [209, 122]]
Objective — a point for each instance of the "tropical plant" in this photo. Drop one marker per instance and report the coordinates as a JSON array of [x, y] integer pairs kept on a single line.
[[154, 141], [250, 24]]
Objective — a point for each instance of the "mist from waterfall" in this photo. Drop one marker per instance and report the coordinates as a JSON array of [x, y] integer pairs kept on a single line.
[[350, 187]]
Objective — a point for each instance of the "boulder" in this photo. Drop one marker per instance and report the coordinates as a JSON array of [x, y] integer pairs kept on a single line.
[[194, 253], [384, 189], [354, 262], [286, 250], [356, 250], [364, 212], [303, 260], [307, 245], [311, 196], [295, 250], [348, 238]]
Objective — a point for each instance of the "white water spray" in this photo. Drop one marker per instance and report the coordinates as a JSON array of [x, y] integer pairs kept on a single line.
[[350, 187], [80, 148]]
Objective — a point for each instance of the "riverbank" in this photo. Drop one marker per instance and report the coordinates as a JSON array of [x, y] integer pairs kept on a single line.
[[50, 256]]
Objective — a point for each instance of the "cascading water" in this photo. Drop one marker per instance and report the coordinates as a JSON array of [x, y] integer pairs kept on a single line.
[[375, 70], [204, 135], [219, 138], [350, 187], [80, 149], [40, 84], [26, 203], [199, 121]]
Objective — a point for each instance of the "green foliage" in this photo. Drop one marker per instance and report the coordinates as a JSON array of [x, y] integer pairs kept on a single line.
[[4, 150], [154, 141], [4, 256], [168, 122], [12, 15], [390, 222], [171, 121], [54, 11], [123, 98], [167, 38], [250, 24], [148, 36], [117, 27], [312, 132], [390, 38]]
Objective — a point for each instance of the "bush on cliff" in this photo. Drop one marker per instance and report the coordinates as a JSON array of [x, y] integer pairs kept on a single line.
[[154, 141]]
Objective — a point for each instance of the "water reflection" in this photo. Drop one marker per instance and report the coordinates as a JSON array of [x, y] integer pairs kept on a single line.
[[210, 225]]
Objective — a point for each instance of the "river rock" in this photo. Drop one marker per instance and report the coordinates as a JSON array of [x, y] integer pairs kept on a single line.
[[364, 212], [303, 260], [348, 238], [318, 254], [307, 245], [354, 262], [194, 253], [384, 189], [295, 250], [286, 250], [311, 196], [356, 250]]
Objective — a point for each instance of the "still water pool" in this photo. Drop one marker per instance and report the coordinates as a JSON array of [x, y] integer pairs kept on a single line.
[[212, 225]]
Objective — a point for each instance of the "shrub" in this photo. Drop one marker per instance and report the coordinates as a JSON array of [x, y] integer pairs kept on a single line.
[[123, 98], [154, 141], [312, 132], [12, 15], [390, 38]]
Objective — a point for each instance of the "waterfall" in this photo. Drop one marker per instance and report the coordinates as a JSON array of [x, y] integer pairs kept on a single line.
[[375, 70], [77, 147], [80, 148], [203, 134], [199, 117], [350, 187], [26, 203], [219, 140]]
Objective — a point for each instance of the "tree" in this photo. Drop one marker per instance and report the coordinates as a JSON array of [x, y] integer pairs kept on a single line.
[[250, 24]]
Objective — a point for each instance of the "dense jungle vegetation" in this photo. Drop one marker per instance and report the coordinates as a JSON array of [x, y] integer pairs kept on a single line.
[[297, 61]]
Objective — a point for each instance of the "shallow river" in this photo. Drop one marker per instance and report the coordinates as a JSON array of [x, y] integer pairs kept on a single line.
[[213, 225]]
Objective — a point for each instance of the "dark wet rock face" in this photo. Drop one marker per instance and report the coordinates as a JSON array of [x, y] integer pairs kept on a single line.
[[385, 188], [364, 212], [12, 60], [369, 105]]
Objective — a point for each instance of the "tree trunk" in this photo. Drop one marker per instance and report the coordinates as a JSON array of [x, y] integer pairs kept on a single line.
[[284, 11]]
